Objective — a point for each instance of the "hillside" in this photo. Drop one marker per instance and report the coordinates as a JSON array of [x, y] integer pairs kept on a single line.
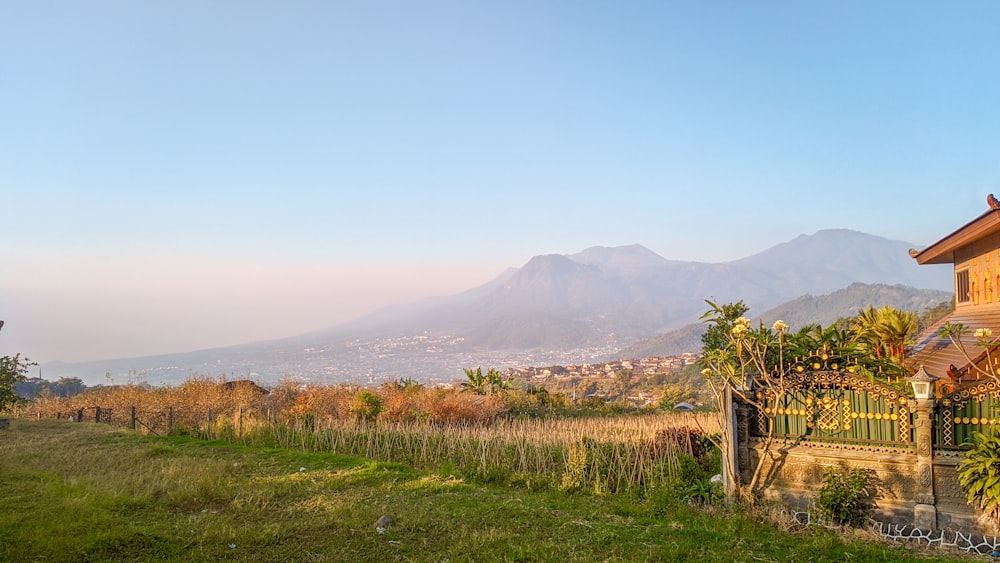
[[807, 309]]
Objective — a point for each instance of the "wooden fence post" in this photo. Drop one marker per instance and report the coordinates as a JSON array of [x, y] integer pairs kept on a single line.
[[133, 418], [170, 420], [79, 415]]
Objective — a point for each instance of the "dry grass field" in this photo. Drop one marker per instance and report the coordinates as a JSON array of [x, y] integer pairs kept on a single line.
[[474, 436]]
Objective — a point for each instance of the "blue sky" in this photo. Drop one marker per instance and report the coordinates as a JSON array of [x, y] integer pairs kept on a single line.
[[181, 175]]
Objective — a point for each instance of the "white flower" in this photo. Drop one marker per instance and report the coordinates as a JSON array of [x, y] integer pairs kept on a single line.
[[739, 330], [983, 333], [780, 326]]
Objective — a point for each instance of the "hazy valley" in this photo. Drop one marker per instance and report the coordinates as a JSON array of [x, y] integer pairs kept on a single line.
[[596, 305]]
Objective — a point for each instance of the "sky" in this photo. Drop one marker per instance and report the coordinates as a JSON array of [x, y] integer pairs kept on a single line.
[[183, 175]]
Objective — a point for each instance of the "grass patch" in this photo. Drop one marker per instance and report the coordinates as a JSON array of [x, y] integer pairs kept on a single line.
[[85, 492]]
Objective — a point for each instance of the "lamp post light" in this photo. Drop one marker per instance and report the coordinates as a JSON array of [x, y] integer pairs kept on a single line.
[[923, 384], [925, 510]]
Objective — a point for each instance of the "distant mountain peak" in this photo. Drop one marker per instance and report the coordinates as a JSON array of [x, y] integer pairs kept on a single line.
[[629, 257], [552, 263]]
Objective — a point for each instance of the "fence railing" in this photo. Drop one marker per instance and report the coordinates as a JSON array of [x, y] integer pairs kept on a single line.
[[836, 407], [830, 407], [972, 408], [160, 421]]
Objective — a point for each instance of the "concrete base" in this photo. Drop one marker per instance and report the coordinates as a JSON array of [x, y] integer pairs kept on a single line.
[[925, 517]]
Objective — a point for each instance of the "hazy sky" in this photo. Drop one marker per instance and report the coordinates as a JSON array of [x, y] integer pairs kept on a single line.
[[187, 174]]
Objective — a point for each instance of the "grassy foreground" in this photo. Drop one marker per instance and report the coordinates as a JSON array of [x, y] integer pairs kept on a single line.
[[86, 492]]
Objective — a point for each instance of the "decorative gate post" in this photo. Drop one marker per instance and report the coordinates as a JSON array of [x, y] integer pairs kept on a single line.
[[924, 512]]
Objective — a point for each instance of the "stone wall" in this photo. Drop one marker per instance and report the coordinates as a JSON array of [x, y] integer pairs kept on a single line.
[[915, 462], [793, 475]]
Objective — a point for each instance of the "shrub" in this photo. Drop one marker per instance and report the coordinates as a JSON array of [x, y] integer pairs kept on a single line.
[[848, 497], [681, 438], [366, 405], [574, 477], [12, 370], [402, 404], [703, 491], [979, 473], [464, 408]]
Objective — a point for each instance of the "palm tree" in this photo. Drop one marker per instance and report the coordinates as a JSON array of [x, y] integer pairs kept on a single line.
[[897, 329], [886, 331]]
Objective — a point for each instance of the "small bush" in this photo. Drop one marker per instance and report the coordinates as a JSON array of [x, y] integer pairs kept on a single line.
[[979, 473], [848, 498], [462, 408], [575, 476], [682, 439], [366, 405], [703, 492]]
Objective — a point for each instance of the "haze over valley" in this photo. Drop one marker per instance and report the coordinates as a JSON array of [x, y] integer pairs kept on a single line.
[[584, 307]]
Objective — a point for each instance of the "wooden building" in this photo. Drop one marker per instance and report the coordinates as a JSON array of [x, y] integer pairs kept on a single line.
[[974, 250]]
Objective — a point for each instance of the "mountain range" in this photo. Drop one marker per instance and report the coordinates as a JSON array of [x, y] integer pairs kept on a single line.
[[628, 293], [823, 310], [587, 305]]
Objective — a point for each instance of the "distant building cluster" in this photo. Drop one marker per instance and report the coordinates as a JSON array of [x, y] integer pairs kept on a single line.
[[647, 366]]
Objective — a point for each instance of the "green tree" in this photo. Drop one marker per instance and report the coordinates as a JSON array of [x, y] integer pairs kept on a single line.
[[476, 381], [12, 370], [931, 315], [366, 405], [678, 392], [68, 387], [624, 382], [492, 382], [743, 362], [720, 319], [495, 381]]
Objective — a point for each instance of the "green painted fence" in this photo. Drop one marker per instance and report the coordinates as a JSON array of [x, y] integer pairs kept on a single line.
[[836, 406], [968, 409]]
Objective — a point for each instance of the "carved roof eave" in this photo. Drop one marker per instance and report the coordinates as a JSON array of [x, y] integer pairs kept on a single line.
[[943, 251]]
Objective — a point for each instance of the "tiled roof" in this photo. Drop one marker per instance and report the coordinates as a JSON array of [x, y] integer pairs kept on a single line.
[[937, 353]]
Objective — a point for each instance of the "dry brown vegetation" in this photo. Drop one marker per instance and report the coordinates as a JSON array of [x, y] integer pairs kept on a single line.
[[441, 429]]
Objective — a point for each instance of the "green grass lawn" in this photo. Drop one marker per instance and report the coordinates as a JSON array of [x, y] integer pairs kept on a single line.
[[86, 492]]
